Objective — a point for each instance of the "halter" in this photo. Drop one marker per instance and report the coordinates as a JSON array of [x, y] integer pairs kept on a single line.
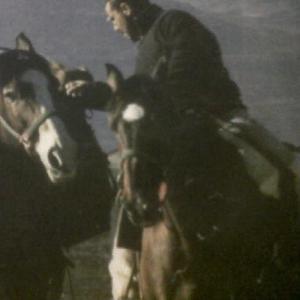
[[28, 134], [130, 204], [128, 153]]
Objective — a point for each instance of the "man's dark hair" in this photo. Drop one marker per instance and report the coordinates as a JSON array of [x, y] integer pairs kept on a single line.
[[134, 4]]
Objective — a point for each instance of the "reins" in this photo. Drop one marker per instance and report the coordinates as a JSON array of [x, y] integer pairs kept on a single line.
[[178, 229], [130, 153]]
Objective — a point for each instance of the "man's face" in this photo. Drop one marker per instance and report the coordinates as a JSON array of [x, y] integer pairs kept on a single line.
[[121, 21]]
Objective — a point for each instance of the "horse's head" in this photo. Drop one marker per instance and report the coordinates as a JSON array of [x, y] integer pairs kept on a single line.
[[29, 114], [137, 116]]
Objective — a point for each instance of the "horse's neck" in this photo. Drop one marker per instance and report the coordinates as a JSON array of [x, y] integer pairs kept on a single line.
[[85, 137], [8, 141], [16, 163], [7, 150]]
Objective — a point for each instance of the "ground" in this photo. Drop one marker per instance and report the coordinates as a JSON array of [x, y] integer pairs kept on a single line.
[[89, 280]]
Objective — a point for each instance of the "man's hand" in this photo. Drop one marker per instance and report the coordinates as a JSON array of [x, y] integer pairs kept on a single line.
[[88, 94], [77, 88], [84, 91]]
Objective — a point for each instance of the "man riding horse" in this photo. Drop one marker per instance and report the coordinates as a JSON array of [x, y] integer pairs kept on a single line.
[[181, 53]]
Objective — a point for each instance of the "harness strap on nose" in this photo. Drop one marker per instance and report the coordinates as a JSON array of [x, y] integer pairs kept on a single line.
[[26, 136], [29, 132], [8, 128]]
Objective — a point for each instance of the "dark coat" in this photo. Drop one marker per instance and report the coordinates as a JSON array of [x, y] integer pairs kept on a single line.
[[186, 58]]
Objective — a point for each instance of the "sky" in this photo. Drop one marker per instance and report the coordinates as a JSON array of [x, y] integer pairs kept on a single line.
[[260, 40]]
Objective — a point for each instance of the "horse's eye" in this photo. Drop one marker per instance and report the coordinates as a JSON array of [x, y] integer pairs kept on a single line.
[[10, 94]]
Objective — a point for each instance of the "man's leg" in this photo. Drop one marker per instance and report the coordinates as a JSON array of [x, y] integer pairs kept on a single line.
[[123, 264], [123, 274]]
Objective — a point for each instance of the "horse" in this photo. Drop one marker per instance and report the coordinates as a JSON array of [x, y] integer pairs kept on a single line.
[[216, 218], [55, 185]]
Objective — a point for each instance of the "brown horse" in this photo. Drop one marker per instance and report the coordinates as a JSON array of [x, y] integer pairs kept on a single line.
[[55, 188], [216, 217]]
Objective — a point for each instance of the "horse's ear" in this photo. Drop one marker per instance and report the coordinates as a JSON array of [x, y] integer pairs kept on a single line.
[[23, 43], [114, 77], [58, 70]]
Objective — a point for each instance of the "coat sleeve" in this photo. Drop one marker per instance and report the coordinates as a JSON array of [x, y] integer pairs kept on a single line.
[[97, 96], [94, 95], [191, 53]]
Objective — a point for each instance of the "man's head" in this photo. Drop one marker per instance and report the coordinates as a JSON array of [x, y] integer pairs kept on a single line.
[[123, 14]]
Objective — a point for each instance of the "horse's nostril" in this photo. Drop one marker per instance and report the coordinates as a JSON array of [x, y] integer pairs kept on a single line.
[[55, 159]]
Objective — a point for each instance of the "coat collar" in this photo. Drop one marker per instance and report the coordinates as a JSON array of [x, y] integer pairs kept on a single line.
[[147, 17]]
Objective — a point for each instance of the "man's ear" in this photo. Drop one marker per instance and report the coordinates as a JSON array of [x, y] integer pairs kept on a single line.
[[125, 9], [114, 77]]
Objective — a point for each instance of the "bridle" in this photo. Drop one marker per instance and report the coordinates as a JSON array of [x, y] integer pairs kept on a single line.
[[26, 137], [129, 153], [166, 214], [132, 205]]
